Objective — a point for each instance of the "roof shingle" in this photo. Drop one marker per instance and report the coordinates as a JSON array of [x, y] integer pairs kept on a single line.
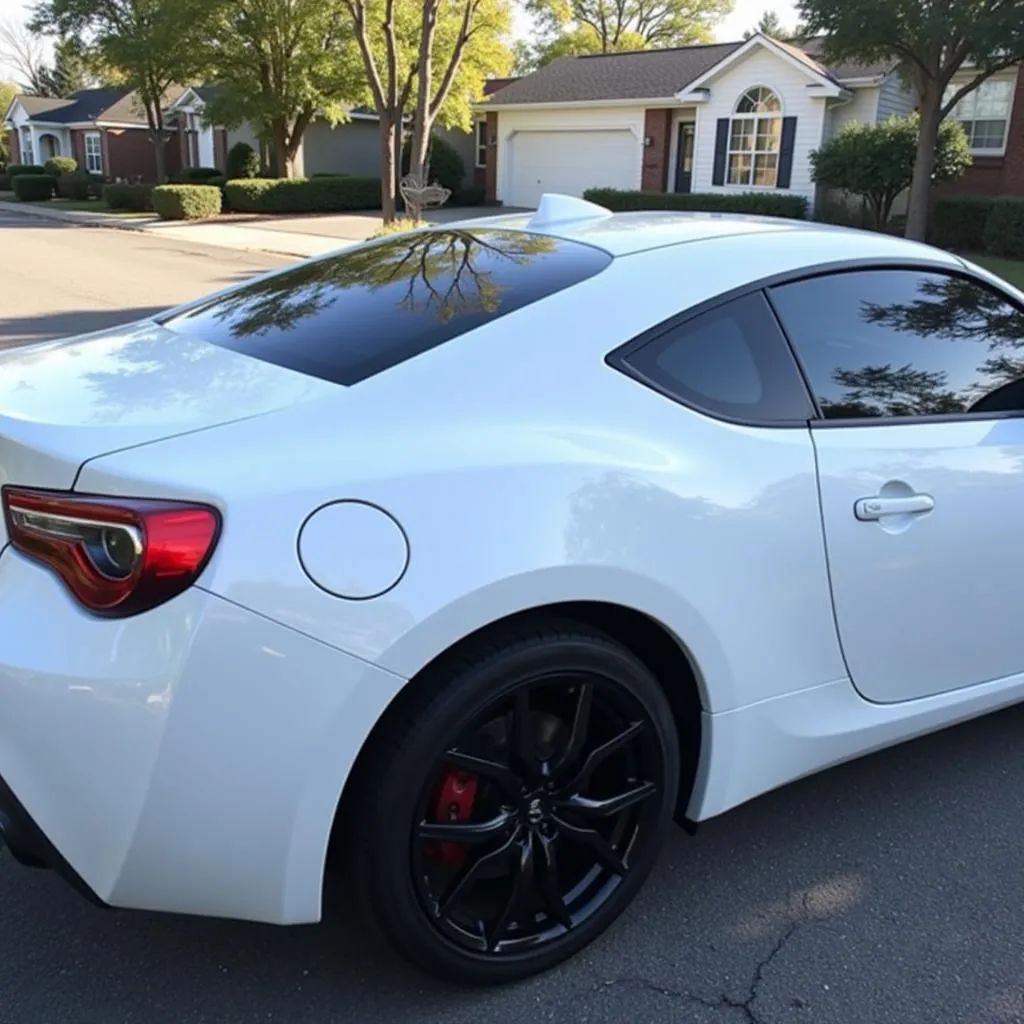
[[650, 74], [88, 105]]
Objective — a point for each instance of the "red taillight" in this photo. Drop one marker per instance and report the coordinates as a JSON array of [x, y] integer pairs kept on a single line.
[[118, 556]]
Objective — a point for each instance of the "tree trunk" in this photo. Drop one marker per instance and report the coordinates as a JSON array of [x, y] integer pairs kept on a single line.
[[387, 167], [921, 184], [283, 158], [159, 140], [398, 133]]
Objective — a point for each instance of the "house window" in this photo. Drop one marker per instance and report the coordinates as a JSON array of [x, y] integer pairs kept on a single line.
[[27, 155], [481, 143], [755, 137], [985, 114], [93, 153]]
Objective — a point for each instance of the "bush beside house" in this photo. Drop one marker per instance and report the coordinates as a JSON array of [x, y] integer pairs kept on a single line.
[[242, 162], [33, 188], [186, 202], [58, 165], [767, 204], [1004, 228], [15, 170], [303, 195], [958, 222], [138, 198]]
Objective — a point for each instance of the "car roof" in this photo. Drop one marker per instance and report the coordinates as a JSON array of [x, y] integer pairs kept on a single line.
[[620, 234]]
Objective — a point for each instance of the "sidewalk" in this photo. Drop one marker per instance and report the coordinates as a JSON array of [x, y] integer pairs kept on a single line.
[[298, 236], [229, 235]]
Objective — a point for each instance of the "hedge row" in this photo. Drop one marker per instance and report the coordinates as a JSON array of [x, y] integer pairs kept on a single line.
[[186, 202], [138, 198], [303, 195], [15, 170], [980, 224], [58, 165], [766, 204], [33, 188]]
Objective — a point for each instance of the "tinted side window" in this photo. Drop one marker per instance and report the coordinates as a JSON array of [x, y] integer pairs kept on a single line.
[[731, 361], [905, 343], [347, 317]]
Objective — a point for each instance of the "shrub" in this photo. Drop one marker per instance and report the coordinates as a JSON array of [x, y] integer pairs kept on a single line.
[[13, 170], [79, 185], [958, 222], [33, 188], [186, 202], [876, 161], [1004, 229], [445, 166], [58, 165], [243, 161], [766, 204], [303, 195], [129, 197], [470, 195], [187, 175]]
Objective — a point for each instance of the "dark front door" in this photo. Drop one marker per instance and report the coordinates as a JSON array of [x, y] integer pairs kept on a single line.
[[684, 157]]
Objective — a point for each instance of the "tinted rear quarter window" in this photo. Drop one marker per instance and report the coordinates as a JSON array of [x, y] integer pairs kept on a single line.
[[731, 361], [347, 317], [905, 343]]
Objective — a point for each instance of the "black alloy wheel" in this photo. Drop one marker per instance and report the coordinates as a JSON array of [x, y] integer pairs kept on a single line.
[[520, 805]]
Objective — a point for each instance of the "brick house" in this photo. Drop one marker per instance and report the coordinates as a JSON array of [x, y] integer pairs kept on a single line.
[[106, 131], [725, 117]]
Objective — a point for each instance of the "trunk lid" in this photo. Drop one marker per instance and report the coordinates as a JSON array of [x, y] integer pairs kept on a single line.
[[64, 403]]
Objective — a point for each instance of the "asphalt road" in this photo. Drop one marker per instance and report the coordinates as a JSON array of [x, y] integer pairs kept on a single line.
[[887, 891]]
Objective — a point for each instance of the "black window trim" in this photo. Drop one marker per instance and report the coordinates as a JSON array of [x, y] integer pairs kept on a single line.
[[618, 358]]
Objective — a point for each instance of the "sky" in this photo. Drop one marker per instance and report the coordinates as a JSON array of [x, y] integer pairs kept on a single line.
[[745, 15]]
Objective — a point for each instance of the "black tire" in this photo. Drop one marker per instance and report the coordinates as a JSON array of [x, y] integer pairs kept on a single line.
[[394, 868]]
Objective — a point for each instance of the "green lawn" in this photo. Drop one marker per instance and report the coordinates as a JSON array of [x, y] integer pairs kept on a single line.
[[1012, 270]]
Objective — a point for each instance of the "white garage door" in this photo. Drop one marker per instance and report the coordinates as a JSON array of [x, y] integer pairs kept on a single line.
[[570, 162]]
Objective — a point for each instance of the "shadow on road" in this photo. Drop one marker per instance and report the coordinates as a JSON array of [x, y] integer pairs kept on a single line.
[[886, 890], [25, 330]]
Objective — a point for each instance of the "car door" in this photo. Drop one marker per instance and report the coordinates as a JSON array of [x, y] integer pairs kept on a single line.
[[919, 379]]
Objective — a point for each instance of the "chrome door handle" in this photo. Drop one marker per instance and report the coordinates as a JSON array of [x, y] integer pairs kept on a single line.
[[870, 510]]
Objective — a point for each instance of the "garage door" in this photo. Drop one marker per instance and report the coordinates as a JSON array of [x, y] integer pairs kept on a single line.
[[570, 163]]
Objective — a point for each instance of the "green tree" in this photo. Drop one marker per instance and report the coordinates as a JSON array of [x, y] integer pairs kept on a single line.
[[71, 69], [432, 56], [770, 24], [876, 161], [932, 40], [155, 43], [277, 64], [8, 90], [608, 26]]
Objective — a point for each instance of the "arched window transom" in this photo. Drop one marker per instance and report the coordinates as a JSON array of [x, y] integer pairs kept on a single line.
[[755, 137]]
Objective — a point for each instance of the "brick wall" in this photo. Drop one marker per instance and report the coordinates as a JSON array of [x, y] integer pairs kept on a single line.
[[128, 153], [78, 147], [14, 147], [658, 128], [996, 175]]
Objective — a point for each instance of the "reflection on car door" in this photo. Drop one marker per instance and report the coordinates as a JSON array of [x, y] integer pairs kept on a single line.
[[920, 447]]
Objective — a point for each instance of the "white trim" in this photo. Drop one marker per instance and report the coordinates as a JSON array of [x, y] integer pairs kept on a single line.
[[180, 101], [9, 112], [98, 136], [864, 82], [480, 122], [831, 88]]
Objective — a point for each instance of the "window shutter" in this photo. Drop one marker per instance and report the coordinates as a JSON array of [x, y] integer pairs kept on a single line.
[[786, 151], [721, 151]]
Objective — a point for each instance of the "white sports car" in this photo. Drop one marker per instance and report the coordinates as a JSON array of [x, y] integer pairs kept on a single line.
[[466, 560]]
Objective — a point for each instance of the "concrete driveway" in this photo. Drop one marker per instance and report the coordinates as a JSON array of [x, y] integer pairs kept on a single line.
[[887, 891]]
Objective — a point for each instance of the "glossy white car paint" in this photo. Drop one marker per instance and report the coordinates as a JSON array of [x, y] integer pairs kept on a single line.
[[204, 745]]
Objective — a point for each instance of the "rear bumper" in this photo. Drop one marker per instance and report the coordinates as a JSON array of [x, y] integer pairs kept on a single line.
[[187, 760], [30, 847]]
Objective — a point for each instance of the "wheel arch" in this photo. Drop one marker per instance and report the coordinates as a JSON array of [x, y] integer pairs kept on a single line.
[[651, 641]]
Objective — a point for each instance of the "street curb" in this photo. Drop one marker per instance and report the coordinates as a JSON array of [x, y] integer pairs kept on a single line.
[[154, 228]]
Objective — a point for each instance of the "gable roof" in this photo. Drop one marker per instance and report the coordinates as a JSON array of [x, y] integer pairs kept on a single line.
[[655, 74], [640, 75], [120, 106]]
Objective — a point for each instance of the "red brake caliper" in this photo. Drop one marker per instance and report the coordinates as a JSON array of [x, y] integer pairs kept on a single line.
[[454, 802]]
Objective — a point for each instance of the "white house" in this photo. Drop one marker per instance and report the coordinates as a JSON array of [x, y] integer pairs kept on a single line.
[[726, 117]]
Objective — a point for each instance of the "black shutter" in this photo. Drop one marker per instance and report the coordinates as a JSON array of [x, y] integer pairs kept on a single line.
[[786, 151], [721, 151]]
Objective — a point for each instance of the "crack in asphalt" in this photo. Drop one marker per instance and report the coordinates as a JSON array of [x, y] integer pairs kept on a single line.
[[725, 1001]]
